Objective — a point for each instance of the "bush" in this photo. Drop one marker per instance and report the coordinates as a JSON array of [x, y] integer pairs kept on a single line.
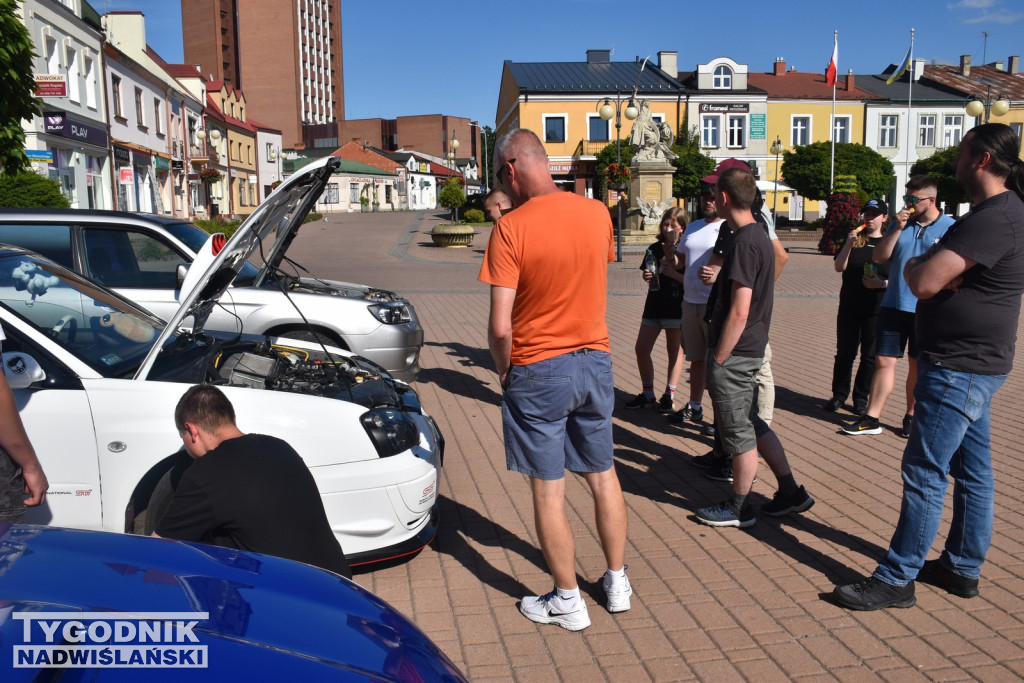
[[474, 216], [313, 216], [28, 189], [219, 225]]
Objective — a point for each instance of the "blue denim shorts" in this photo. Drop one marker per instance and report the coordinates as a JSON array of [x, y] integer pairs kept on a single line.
[[557, 415], [895, 331]]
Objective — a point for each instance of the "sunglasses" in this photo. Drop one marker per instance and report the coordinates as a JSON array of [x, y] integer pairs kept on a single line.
[[913, 201], [502, 170]]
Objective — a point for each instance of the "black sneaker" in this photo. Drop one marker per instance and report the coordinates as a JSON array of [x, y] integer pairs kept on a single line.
[[872, 594], [832, 405], [640, 401], [934, 573], [723, 515], [865, 425], [709, 459], [860, 409], [908, 421], [665, 404], [687, 414], [720, 470], [781, 504]]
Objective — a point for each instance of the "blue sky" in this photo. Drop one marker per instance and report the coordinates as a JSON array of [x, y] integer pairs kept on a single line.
[[404, 57]]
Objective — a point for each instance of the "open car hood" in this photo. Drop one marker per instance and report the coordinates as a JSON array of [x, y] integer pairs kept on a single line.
[[268, 232]]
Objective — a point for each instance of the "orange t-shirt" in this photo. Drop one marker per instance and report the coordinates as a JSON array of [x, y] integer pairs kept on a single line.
[[553, 250]]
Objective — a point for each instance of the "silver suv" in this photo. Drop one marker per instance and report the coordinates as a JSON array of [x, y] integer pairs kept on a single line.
[[145, 257]]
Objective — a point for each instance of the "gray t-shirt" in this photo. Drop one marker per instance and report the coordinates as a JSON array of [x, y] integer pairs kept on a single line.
[[749, 262]]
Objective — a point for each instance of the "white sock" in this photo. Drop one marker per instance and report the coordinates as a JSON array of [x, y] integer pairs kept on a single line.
[[616, 577], [570, 595]]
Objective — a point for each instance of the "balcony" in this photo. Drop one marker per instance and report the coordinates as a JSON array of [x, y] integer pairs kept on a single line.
[[590, 148]]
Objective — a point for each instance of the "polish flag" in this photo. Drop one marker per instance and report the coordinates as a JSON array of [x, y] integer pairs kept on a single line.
[[830, 70]]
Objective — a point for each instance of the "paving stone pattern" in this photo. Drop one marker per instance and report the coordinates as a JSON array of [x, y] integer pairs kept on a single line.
[[709, 604]]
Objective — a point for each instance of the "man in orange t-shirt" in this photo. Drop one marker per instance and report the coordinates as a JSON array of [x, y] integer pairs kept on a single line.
[[546, 263]]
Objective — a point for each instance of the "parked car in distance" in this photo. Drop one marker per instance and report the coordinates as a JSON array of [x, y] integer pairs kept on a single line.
[[266, 618], [138, 255], [99, 406]]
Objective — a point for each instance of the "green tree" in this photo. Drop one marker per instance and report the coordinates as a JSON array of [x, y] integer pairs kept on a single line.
[[692, 164], [603, 158], [16, 88], [806, 168], [942, 167], [28, 189], [452, 197]]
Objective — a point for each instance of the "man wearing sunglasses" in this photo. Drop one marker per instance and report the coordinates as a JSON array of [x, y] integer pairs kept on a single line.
[[916, 227]]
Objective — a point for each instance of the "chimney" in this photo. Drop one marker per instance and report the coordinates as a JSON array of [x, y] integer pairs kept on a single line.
[[918, 69], [1014, 62], [599, 56], [965, 65], [998, 66], [849, 80], [780, 66], [668, 61]]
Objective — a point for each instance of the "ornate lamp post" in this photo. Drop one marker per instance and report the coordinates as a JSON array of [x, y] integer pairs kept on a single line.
[[776, 149], [607, 111], [976, 107], [214, 136], [486, 159], [453, 145]]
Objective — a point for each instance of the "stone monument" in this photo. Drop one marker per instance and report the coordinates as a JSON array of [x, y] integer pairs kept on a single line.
[[650, 190]]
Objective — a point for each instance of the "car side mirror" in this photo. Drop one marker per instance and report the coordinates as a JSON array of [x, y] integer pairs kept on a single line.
[[180, 273], [21, 370]]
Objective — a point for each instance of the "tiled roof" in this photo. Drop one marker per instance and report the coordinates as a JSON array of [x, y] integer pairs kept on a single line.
[[587, 77], [805, 85], [1003, 84], [261, 126], [214, 110], [183, 71], [354, 151], [900, 89]]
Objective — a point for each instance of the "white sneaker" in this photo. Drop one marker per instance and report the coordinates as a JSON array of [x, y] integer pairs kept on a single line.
[[618, 598], [551, 609]]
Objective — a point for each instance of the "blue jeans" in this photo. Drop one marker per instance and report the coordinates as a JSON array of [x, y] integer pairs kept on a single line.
[[950, 436]]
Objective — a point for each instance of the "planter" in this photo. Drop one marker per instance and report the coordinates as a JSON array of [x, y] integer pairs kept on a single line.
[[363, 208], [449, 235]]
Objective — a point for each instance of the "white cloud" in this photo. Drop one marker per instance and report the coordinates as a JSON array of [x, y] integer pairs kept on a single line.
[[999, 16], [972, 4]]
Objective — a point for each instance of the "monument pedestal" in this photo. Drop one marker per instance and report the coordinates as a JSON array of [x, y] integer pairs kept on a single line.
[[652, 182]]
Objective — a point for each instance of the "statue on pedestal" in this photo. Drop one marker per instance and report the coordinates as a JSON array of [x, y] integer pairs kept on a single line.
[[651, 139]]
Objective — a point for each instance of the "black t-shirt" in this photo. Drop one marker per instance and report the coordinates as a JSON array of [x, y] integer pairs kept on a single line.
[[975, 328], [751, 263], [254, 493], [853, 291], [667, 302]]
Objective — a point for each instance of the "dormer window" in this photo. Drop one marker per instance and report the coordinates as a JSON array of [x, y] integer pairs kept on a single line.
[[723, 78]]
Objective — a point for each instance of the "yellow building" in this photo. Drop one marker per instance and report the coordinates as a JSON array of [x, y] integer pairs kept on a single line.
[[226, 106], [560, 101]]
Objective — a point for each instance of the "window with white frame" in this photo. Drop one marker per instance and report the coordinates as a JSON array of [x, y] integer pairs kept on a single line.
[[242, 194], [140, 117], [658, 118], [1018, 130], [722, 78], [597, 128], [801, 130], [888, 130], [353, 193], [115, 95], [157, 117], [90, 83], [52, 57], [952, 130], [554, 127], [841, 129], [709, 130], [926, 130], [73, 89], [737, 130]]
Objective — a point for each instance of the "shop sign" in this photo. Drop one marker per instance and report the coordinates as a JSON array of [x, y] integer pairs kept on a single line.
[[724, 107], [127, 176], [58, 123], [177, 164], [563, 168], [51, 85], [42, 155], [122, 154], [161, 164], [142, 159], [758, 127]]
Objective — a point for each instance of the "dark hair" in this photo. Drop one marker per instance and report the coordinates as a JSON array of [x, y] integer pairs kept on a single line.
[[204, 405], [1003, 146], [740, 185], [921, 182]]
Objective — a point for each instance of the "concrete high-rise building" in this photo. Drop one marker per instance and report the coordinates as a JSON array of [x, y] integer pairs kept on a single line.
[[285, 54]]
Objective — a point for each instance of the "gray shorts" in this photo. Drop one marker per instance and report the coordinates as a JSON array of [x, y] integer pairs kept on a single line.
[[695, 331], [732, 387], [12, 490], [557, 415], [661, 323]]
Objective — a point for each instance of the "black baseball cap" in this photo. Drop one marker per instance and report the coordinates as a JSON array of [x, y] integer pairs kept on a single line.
[[876, 206]]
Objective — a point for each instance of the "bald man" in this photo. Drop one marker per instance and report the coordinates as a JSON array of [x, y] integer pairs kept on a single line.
[[547, 264], [496, 204]]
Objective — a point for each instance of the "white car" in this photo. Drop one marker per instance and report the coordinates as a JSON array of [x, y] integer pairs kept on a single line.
[[96, 380], [144, 257]]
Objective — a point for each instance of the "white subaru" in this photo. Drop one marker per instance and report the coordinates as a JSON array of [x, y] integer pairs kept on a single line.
[[96, 379]]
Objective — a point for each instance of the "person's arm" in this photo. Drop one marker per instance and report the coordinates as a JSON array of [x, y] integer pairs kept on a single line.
[[735, 321], [499, 329], [781, 256], [883, 250], [843, 257], [14, 440], [709, 272], [937, 269]]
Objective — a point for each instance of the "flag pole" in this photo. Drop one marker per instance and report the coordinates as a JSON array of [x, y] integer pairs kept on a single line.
[[910, 97], [832, 133]]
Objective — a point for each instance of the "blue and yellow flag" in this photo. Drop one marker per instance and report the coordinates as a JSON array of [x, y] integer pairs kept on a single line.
[[901, 70]]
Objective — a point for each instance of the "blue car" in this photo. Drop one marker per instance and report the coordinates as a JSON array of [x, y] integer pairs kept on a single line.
[[89, 605]]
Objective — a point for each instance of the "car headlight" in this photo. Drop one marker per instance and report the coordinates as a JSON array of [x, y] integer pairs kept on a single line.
[[391, 431], [392, 312]]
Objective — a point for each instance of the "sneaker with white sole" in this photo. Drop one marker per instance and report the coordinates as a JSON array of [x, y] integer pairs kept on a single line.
[[618, 598], [723, 515], [865, 425], [551, 609]]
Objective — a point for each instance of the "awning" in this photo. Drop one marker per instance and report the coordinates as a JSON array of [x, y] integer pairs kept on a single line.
[[769, 186]]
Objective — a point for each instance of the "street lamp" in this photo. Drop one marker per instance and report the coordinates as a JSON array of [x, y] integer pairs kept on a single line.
[[776, 149], [453, 145], [276, 154], [976, 107], [486, 159], [606, 112]]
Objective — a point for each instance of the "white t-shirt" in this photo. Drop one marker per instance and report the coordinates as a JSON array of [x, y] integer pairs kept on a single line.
[[695, 245]]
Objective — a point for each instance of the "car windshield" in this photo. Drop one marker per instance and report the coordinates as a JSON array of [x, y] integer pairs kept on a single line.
[[195, 238], [94, 324]]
